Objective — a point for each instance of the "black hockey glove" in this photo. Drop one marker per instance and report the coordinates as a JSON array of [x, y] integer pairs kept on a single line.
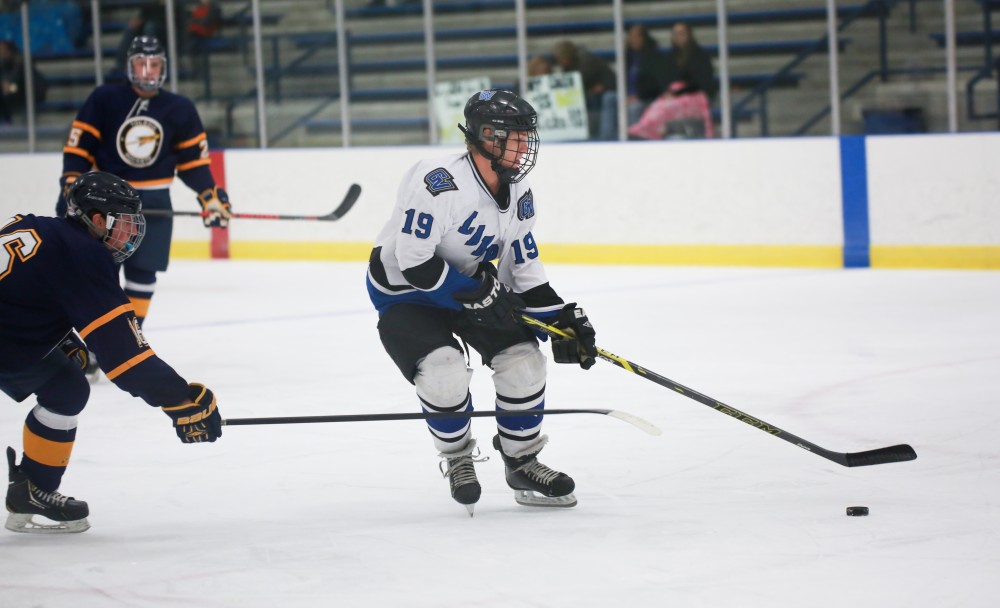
[[198, 421], [215, 202], [76, 350], [582, 346], [492, 304]]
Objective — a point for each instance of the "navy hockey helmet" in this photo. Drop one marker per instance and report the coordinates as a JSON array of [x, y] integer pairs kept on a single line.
[[496, 120], [149, 50], [115, 200]]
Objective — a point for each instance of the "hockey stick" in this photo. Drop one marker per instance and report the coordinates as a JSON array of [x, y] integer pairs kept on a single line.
[[345, 205], [896, 453], [643, 425]]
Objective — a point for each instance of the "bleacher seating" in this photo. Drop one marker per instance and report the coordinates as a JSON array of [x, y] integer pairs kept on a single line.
[[974, 38], [570, 28], [54, 25], [306, 54]]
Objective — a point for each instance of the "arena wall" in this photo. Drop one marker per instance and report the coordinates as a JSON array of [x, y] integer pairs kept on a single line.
[[916, 201]]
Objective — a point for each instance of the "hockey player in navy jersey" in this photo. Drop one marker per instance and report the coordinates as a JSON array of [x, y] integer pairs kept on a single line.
[[431, 277], [57, 274], [144, 135]]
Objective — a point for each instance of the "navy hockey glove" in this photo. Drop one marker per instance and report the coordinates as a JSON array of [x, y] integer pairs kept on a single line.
[[582, 347], [215, 202], [198, 421], [76, 350], [492, 304], [65, 183]]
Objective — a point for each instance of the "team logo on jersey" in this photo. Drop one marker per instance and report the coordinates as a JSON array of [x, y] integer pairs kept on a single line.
[[526, 206], [140, 338], [140, 139], [439, 180]]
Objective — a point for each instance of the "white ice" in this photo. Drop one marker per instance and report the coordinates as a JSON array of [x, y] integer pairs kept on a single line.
[[711, 513]]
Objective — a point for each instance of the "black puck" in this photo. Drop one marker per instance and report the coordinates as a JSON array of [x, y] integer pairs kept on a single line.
[[857, 511]]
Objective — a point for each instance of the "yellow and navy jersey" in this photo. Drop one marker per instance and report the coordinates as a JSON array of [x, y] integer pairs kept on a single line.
[[143, 141], [55, 276]]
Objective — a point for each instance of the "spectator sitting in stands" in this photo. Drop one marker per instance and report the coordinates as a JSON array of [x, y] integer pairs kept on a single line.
[[538, 65], [202, 25], [598, 87], [645, 71], [13, 87], [690, 82]]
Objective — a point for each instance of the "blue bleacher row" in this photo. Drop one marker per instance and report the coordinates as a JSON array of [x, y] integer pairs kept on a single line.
[[311, 41]]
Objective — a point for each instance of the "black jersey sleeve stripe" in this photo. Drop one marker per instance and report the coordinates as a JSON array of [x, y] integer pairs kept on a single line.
[[426, 276], [541, 296]]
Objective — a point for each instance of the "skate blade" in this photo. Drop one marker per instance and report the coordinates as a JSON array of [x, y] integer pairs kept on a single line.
[[529, 498], [23, 522], [471, 509]]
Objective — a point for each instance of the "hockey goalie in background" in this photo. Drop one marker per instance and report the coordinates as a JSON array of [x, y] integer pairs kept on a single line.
[[57, 274], [432, 279]]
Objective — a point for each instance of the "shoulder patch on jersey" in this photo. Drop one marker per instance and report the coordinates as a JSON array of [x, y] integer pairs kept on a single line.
[[439, 180], [526, 206]]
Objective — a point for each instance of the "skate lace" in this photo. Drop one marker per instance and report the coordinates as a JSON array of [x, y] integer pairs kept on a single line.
[[539, 472], [52, 498], [461, 469]]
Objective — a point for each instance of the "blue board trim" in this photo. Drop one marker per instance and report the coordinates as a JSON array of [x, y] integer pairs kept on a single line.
[[854, 188]]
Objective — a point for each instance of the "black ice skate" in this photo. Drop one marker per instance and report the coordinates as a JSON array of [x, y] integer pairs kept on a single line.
[[25, 500], [460, 469], [534, 484]]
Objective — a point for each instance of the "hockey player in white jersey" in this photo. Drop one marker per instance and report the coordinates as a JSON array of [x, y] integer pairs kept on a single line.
[[432, 279]]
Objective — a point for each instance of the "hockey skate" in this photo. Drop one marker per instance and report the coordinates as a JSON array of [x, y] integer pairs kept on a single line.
[[534, 484], [460, 469], [25, 501]]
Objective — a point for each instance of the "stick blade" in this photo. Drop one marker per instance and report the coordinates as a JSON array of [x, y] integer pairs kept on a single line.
[[349, 199], [639, 423], [895, 453]]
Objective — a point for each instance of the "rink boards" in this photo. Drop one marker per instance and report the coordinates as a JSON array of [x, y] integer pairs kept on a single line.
[[916, 201]]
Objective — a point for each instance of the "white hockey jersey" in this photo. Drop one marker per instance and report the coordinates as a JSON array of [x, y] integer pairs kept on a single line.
[[444, 210]]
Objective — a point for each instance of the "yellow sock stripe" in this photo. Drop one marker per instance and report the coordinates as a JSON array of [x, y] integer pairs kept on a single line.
[[124, 308], [124, 367], [140, 305], [46, 451]]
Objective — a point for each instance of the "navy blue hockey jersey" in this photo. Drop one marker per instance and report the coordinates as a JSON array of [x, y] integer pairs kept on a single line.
[[55, 276], [143, 141]]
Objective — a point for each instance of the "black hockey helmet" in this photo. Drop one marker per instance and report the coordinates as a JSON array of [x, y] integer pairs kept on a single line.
[[149, 48], [114, 199], [490, 117]]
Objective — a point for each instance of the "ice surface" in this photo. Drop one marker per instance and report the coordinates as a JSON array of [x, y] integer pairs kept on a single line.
[[711, 513]]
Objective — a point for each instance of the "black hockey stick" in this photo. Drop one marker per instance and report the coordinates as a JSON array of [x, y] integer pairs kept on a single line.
[[345, 205], [895, 453], [643, 425]]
